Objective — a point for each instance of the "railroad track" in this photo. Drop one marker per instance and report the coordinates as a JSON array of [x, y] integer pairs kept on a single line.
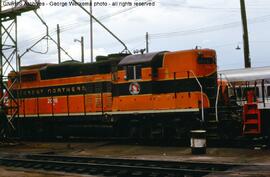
[[113, 167], [230, 143]]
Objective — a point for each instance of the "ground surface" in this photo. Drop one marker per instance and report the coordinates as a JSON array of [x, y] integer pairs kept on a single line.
[[220, 155]]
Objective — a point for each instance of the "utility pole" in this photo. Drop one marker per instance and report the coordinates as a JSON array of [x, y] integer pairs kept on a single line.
[[101, 24], [245, 34], [147, 42], [91, 33], [58, 44], [82, 48]]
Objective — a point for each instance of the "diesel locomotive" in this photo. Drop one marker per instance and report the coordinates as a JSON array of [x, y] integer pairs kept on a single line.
[[153, 95]]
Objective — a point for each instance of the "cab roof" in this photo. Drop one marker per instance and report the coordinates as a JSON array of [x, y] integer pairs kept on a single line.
[[140, 58]]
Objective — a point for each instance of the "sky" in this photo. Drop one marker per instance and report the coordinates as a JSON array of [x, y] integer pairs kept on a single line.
[[172, 25]]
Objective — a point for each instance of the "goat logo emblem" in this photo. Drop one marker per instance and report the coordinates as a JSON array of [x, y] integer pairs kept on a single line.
[[134, 88]]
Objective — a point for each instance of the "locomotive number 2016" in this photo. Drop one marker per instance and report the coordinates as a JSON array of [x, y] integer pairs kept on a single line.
[[52, 101]]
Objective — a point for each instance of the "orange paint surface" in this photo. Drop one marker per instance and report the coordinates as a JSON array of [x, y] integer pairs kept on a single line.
[[176, 65]]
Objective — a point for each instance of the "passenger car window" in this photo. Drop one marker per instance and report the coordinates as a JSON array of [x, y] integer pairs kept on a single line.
[[257, 91], [239, 92]]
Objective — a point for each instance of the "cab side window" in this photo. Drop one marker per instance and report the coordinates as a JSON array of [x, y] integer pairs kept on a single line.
[[207, 60], [133, 72], [130, 72], [268, 91], [28, 77], [138, 72]]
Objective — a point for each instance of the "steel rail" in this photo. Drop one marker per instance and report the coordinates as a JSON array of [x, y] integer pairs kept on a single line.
[[88, 165]]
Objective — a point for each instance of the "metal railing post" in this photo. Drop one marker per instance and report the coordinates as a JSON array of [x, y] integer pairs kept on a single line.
[[216, 105], [202, 102]]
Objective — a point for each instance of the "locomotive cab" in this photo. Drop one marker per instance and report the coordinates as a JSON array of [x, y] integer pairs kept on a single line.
[[175, 81], [142, 66]]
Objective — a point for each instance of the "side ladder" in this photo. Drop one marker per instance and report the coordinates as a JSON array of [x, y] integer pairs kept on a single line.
[[251, 119]]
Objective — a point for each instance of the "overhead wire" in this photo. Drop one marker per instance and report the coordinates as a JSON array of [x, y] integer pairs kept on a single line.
[[71, 26], [236, 43], [154, 36], [224, 9], [75, 25], [194, 31], [207, 28]]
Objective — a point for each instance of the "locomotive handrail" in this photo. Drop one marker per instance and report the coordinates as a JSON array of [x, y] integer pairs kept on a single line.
[[216, 105], [241, 101], [218, 90], [201, 92]]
